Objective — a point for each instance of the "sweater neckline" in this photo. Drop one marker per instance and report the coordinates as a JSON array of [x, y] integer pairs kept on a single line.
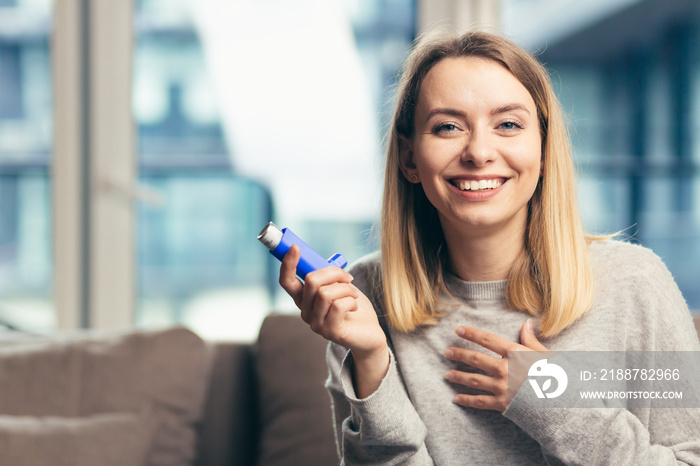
[[463, 289]]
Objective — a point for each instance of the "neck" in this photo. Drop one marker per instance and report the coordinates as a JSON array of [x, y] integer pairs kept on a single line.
[[484, 257]]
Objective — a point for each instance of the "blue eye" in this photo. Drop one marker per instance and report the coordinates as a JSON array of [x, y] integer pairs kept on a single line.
[[509, 125], [445, 127]]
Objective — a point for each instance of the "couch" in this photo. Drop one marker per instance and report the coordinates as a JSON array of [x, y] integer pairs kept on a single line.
[[167, 398]]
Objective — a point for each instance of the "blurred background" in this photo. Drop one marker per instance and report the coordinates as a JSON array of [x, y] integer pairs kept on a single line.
[[145, 143]]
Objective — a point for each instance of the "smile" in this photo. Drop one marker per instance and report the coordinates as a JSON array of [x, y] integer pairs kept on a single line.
[[474, 185]]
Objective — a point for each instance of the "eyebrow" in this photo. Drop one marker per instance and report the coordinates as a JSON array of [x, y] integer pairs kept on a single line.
[[510, 108], [444, 111], [496, 111]]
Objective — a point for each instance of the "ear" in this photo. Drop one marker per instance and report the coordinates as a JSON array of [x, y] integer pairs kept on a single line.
[[406, 163]]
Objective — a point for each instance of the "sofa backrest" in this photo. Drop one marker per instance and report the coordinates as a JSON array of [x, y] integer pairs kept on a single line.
[[267, 402], [228, 433], [86, 398]]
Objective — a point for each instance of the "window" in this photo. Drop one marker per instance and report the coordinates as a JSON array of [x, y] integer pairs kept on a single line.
[[25, 148], [251, 111]]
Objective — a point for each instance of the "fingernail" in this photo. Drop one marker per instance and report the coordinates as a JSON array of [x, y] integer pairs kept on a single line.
[[460, 331], [450, 376], [449, 353], [529, 327], [350, 277]]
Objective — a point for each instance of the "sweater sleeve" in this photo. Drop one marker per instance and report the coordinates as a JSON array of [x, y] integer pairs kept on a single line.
[[657, 319], [383, 428], [607, 435]]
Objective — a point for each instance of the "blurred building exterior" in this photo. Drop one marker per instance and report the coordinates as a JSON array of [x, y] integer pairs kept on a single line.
[[627, 72]]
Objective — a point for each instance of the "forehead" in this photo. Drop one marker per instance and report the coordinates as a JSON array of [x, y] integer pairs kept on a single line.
[[472, 82]]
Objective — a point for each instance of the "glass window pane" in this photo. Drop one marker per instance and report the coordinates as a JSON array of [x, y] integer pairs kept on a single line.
[[25, 145], [250, 112]]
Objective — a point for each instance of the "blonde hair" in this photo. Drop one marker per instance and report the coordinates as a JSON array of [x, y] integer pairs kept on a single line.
[[552, 278]]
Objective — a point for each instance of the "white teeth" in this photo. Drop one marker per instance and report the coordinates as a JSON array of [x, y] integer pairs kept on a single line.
[[474, 185]]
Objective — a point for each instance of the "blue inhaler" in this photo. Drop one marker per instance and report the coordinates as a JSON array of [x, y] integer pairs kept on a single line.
[[279, 241]]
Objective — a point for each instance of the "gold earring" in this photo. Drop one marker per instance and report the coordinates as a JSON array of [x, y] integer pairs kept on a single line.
[[414, 178]]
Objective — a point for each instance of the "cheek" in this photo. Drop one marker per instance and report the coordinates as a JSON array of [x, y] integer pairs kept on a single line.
[[433, 156], [531, 175], [527, 158], [427, 168]]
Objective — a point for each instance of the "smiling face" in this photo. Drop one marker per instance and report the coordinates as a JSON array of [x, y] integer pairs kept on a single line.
[[476, 147]]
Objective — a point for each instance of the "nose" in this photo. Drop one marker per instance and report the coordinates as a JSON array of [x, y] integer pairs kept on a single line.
[[478, 149]]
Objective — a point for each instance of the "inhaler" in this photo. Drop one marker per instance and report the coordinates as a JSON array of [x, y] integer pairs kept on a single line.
[[279, 241]]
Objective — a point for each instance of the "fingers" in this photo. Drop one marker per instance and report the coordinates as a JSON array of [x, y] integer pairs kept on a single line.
[[330, 305], [305, 294], [487, 339], [528, 337], [324, 298], [288, 271], [476, 381], [496, 383], [481, 402], [489, 364], [320, 290]]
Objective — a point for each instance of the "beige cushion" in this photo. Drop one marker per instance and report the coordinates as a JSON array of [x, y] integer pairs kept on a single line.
[[165, 370], [119, 439], [295, 413]]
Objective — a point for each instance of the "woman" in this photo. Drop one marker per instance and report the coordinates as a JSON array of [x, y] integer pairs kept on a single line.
[[480, 231]]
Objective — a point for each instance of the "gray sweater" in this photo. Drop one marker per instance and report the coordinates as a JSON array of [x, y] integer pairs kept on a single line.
[[411, 419]]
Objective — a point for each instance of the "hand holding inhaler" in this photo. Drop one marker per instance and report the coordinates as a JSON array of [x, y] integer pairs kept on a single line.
[[331, 305]]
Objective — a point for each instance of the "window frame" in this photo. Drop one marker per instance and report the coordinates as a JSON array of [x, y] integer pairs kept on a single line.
[[93, 166]]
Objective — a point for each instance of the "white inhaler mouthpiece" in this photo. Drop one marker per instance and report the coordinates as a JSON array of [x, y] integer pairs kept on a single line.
[[270, 236]]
